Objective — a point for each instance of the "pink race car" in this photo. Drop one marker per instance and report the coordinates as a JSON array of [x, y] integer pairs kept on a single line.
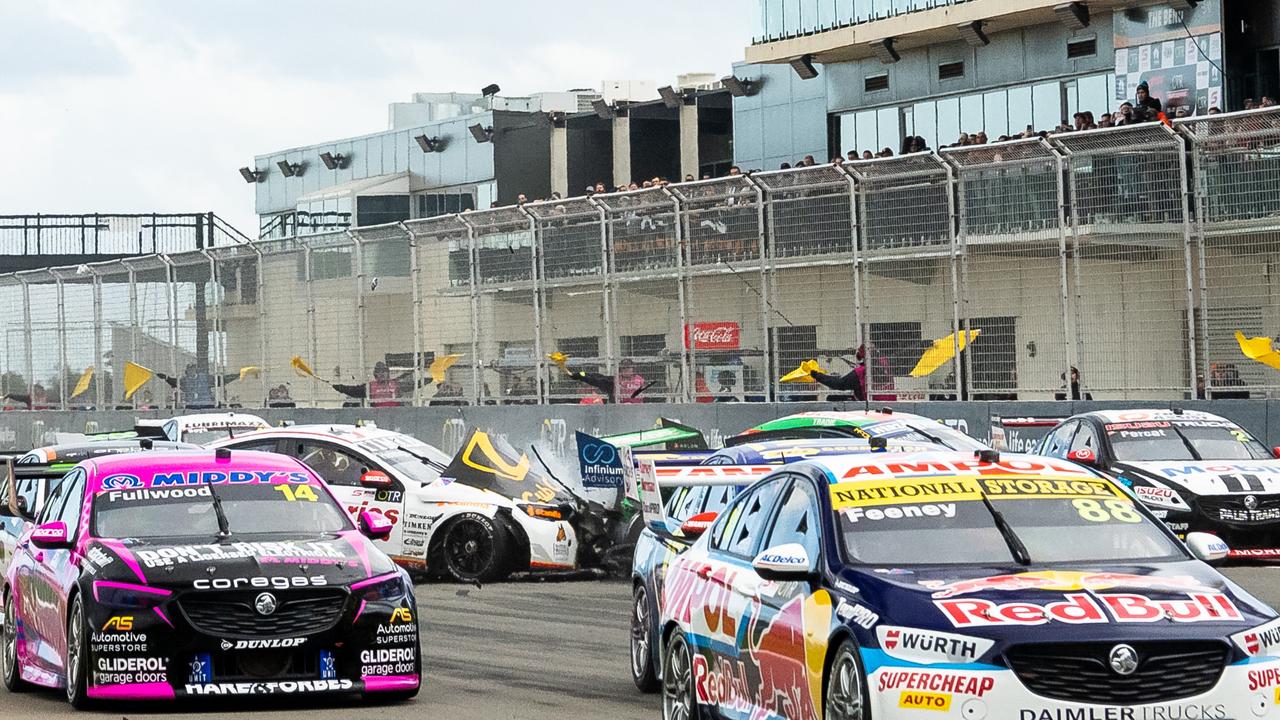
[[163, 575]]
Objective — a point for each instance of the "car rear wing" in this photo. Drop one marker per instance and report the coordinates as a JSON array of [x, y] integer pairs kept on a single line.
[[14, 474], [653, 479], [1021, 434], [671, 434]]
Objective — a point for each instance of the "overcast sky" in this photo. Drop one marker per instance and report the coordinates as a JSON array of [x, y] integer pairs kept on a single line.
[[152, 105]]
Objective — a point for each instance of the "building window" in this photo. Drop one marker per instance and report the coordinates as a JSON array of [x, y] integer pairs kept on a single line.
[[381, 209]]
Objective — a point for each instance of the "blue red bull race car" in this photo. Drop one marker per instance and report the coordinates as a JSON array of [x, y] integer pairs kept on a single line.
[[939, 584]]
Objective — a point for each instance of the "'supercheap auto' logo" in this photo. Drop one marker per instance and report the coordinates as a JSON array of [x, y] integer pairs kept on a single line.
[[121, 482]]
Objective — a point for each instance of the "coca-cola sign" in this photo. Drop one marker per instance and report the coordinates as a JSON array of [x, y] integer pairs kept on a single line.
[[712, 336]]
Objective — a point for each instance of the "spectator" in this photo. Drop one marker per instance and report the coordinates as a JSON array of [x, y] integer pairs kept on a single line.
[[689, 178], [809, 161], [735, 171], [1074, 386], [1182, 112], [837, 160], [785, 166], [1267, 102], [591, 190], [1215, 110], [1249, 104], [886, 152], [625, 388], [981, 138], [521, 199], [37, 400], [383, 390], [866, 155], [918, 144], [853, 155], [1105, 120], [599, 187], [1127, 115], [1078, 122], [1151, 104]]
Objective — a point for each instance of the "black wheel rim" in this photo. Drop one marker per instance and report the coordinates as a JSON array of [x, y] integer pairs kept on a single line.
[[640, 633], [75, 642], [677, 681], [9, 654], [469, 549], [844, 689]]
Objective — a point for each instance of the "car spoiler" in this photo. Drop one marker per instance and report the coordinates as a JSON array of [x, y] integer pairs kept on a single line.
[[1021, 434], [671, 434], [14, 472], [653, 479]]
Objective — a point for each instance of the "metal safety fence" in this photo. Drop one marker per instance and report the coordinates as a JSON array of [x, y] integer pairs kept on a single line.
[[1110, 264]]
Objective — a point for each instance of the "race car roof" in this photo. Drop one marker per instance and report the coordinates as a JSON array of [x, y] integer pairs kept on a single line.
[[72, 453], [215, 421], [350, 433], [192, 461], [1144, 414], [887, 466], [766, 451]]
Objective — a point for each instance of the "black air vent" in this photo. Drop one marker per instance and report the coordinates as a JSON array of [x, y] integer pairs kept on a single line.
[[872, 83], [1084, 47], [951, 71]]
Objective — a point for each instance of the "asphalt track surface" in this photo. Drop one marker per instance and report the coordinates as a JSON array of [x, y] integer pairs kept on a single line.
[[511, 651]]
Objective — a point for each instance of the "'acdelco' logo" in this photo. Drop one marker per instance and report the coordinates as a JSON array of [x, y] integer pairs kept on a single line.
[[278, 583]]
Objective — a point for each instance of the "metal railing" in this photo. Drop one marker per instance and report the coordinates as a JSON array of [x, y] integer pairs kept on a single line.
[[1131, 254]]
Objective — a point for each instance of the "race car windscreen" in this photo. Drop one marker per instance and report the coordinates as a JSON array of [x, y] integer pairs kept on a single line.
[[407, 461], [1160, 440], [187, 511], [943, 521]]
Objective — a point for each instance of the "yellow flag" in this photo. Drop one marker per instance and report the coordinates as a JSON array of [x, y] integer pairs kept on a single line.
[[558, 358], [250, 371], [1259, 349], [301, 366], [440, 365], [83, 384], [802, 374], [135, 376], [942, 350]]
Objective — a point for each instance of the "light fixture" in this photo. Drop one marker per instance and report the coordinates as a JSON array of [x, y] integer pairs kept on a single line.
[[884, 50], [481, 133], [557, 119], [252, 176], [1074, 15], [803, 66], [672, 99], [289, 169], [604, 109], [973, 34], [332, 161], [490, 90], [739, 87], [430, 144]]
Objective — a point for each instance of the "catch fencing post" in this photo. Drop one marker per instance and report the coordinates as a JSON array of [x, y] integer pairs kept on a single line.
[[539, 362], [415, 295], [606, 288], [686, 378], [766, 285], [357, 258], [475, 309]]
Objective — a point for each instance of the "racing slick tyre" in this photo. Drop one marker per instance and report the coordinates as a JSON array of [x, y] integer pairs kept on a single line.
[[13, 681], [642, 670], [77, 663], [679, 700], [845, 696], [472, 549]]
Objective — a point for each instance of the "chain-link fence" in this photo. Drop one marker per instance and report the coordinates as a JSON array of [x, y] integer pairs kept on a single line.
[[1128, 258]]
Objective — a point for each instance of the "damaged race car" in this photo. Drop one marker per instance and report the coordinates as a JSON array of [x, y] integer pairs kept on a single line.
[[475, 518], [67, 455], [940, 585], [169, 575], [1196, 471]]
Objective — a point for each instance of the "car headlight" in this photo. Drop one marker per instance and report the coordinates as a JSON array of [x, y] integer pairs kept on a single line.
[[391, 586], [128, 596], [1158, 496]]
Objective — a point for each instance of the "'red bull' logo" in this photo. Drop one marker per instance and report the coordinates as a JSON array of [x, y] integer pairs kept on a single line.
[[779, 652], [1066, 581], [1082, 609]]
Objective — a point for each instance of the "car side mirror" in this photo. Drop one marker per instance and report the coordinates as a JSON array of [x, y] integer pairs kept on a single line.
[[1207, 547], [784, 562], [1084, 456], [374, 526], [51, 536], [375, 479], [695, 526]]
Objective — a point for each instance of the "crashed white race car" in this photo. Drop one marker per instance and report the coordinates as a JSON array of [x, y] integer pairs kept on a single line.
[[476, 518]]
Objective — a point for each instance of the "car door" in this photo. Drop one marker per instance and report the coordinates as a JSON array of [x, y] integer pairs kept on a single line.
[[41, 603], [343, 468], [57, 569], [775, 637], [731, 609]]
